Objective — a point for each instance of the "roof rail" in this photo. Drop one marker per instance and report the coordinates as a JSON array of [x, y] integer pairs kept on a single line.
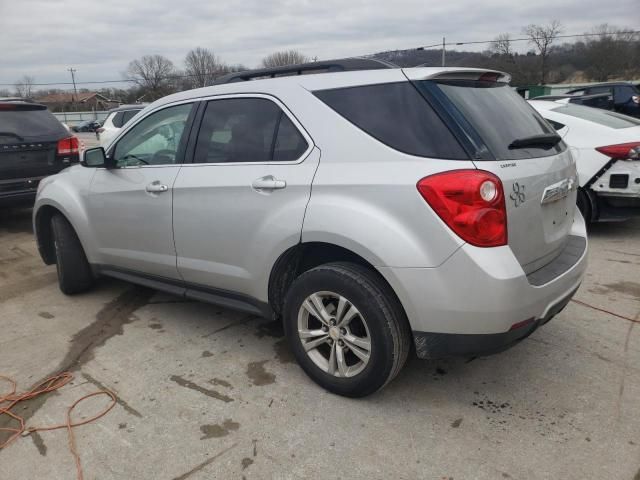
[[339, 65]]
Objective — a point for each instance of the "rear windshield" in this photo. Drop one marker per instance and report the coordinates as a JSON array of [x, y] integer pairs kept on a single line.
[[396, 115], [601, 117], [499, 116], [17, 125]]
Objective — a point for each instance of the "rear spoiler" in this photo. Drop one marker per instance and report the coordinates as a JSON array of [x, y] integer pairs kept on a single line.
[[20, 106], [454, 73]]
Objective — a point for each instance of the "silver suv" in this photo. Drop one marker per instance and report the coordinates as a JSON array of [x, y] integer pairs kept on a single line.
[[370, 210]]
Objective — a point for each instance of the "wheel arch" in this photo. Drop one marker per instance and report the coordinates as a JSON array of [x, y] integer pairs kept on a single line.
[[305, 256], [44, 232]]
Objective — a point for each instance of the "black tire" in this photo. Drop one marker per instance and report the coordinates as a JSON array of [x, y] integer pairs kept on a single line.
[[388, 328], [74, 271], [584, 205]]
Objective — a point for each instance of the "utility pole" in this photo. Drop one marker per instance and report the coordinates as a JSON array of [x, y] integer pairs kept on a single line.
[[443, 51], [73, 79]]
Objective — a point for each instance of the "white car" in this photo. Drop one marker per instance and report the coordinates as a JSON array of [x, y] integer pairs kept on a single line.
[[606, 146], [115, 120]]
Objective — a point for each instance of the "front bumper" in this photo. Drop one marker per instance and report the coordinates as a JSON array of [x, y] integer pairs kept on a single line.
[[481, 292]]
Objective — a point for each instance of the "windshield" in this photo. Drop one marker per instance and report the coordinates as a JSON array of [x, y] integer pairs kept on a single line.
[[499, 117], [601, 117]]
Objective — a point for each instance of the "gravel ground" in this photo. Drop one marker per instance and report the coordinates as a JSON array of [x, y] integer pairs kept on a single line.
[[208, 393]]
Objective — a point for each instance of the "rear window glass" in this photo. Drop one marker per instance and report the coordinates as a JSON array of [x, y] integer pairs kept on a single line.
[[500, 116], [398, 116], [601, 117], [28, 124]]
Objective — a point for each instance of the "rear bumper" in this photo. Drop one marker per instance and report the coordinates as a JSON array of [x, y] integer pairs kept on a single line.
[[433, 346], [482, 292]]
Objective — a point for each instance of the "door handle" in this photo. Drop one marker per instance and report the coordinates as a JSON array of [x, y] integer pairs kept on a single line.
[[268, 183], [156, 187]]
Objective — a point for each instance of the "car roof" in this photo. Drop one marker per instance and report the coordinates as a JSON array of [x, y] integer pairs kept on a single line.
[[547, 104], [328, 80], [122, 108], [603, 84]]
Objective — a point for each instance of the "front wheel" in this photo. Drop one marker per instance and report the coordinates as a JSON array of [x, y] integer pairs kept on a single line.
[[74, 271], [346, 328]]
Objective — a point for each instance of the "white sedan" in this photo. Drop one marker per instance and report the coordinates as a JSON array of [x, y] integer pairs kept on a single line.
[[606, 146]]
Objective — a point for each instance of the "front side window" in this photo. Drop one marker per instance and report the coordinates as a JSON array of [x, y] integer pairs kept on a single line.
[[154, 140], [623, 94], [247, 130]]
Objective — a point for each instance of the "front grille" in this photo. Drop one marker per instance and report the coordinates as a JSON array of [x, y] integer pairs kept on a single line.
[[618, 180]]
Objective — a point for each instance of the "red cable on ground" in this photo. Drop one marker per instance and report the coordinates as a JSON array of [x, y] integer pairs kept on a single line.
[[580, 302], [48, 385]]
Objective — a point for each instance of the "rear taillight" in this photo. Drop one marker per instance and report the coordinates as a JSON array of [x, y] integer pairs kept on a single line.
[[68, 146], [471, 203], [622, 151]]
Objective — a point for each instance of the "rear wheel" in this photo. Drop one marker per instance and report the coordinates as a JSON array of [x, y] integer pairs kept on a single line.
[[74, 272], [346, 328], [584, 205]]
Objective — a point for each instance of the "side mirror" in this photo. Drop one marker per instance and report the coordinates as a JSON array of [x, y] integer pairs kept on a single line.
[[96, 158]]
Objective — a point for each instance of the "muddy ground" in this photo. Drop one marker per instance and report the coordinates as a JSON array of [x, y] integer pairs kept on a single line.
[[208, 393]]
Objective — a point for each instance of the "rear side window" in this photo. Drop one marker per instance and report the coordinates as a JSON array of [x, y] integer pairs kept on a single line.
[[247, 130], [18, 125], [499, 116], [596, 90], [596, 115], [128, 115], [118, 119], [398, 116], [556, 125]]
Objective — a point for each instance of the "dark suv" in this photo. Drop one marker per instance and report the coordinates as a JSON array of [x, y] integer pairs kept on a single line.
[[622, 97], [33, 145]]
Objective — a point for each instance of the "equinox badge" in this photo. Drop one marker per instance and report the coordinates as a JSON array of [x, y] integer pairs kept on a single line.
[[558, 191]]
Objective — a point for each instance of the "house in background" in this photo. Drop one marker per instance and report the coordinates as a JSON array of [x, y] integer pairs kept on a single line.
[[70, 102]]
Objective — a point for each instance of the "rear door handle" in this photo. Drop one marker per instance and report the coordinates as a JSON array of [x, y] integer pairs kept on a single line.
[[268, 183], [156, 187]]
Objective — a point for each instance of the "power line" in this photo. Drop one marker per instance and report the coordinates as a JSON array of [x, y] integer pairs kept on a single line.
[[442, 45]]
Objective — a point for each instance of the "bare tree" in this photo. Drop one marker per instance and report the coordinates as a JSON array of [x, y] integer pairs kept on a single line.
[[202, 67], [502, 46], [154, 74], [609, 52], [24, 86], [285, 57], [542, 37]]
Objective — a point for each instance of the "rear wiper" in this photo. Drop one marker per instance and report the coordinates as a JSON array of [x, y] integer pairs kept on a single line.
[[542, 140], [11, 134]]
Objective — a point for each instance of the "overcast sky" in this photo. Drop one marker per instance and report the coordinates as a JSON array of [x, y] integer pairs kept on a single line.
[[43, 38]]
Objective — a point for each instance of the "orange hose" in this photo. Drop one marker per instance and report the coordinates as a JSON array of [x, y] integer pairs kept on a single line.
[[48, 385]]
